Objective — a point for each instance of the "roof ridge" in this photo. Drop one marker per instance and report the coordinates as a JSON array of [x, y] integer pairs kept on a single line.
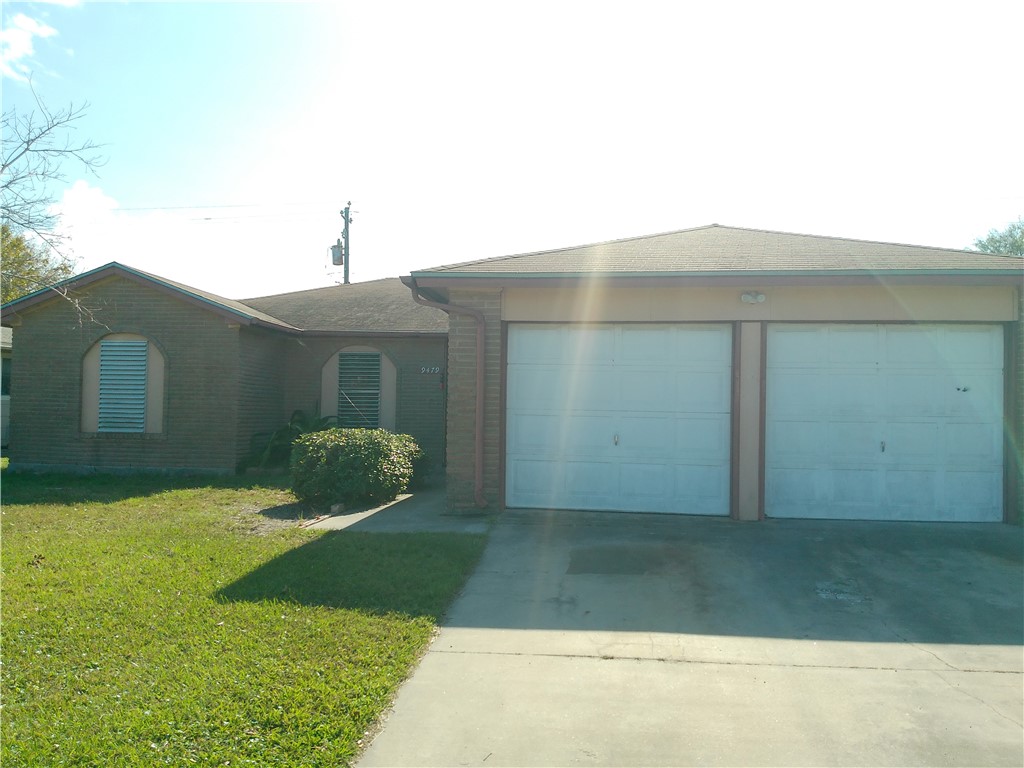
[[508, 257], [603, 243], [320, 288]]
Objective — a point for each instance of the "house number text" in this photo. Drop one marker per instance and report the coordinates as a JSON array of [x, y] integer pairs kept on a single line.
[[430, 369]]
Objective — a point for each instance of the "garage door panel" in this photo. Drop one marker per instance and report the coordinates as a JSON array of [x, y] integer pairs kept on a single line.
[[854, 441], [913, 394], [702, 440], [535, 477], [537, 344], [856, 487], [798, 395], [972, 444], [582, 434], [915, 442], [797, 441], [975, 397], [704, 487], [529, 432], [618, 417], [589, 478], [645, 437], [646, 481], [645, 390], [709, 345], [973, 345], [644, 344], [853, 346], [703, 391], [591, 345], [912, 346], [933, 398], [797, 346], [852, 394], [911, 489], [543, 386]]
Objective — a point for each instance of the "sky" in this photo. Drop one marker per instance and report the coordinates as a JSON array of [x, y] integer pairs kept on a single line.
[[235, 132]]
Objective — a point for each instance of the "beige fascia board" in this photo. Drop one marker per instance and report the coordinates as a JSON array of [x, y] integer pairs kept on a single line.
[[700, 280]]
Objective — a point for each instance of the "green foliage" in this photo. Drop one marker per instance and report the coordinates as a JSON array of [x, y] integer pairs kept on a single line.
[[27, 267], [352, 466], [277, 451], [1009, 240], [145, 626]]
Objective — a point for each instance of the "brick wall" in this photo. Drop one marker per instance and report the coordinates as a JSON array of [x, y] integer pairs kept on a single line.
[[200, 405], [420, 403], [462, 399], [261, 387]]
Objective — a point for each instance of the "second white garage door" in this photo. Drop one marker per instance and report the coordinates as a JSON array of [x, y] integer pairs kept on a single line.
[[885, 422], [632, 417]]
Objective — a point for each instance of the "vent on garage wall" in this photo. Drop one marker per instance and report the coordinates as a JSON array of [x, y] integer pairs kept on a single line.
[[122, 406], [359, 389]]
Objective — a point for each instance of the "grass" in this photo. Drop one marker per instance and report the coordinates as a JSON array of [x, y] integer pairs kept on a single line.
[[149, 621]]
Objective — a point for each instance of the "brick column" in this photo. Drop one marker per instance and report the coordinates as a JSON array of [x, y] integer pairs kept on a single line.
[[462, 388]]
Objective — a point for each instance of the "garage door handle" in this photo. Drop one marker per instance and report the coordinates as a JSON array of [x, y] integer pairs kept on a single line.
[[883, 446], [616, 439]]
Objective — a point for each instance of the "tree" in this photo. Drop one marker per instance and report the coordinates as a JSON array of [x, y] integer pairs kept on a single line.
[[36, 147], [27, 267], [1010, 240]]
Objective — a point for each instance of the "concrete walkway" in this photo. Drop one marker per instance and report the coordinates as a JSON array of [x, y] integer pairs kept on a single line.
[[422, 511], [604, 639]]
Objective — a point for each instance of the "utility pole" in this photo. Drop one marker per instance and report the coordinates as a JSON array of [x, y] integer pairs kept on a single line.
[[340, 253]]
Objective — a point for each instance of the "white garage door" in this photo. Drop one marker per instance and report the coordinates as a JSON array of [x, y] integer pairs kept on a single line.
[[619, 417], [884, 422]]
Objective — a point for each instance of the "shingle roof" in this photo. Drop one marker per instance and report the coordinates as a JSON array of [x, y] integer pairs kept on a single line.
[[212, 298], [719, 250], [376, 306]]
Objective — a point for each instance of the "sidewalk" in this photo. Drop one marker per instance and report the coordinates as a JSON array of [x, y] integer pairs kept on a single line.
[[423, 511]]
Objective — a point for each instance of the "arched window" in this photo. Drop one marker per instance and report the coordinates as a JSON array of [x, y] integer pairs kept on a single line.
[[123, 385], [358, 386]]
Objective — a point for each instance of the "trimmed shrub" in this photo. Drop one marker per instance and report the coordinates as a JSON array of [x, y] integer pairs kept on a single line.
[[352, 466]]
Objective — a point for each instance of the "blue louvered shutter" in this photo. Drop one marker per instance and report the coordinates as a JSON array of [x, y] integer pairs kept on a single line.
[[359, 389], [123, 386]]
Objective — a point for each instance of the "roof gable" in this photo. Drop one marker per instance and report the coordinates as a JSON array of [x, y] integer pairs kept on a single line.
[[228, 307], [717, 250]]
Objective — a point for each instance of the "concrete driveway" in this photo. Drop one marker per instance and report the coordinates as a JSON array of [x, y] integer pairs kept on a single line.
[[605, 639]]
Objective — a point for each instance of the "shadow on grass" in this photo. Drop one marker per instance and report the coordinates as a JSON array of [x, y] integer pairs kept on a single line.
[[295, 511], [416, 574], [69, 488]]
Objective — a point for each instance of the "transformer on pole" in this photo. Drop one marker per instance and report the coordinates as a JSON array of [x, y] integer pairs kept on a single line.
[[340, 253]]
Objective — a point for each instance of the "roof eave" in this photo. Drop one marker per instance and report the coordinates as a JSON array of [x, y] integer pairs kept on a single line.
[[114, 269], [734, 277]]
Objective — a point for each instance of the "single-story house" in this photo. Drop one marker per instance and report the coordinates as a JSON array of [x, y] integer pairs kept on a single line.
[[6, 343], [736, 372], [119, 369]]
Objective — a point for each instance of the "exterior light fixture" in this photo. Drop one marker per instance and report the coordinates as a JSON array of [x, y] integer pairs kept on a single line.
[[752, 297]]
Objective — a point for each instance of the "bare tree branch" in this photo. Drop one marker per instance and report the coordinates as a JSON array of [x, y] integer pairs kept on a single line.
[[36, 149]]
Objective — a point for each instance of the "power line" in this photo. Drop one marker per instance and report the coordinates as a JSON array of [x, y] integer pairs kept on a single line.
[[211, 207]]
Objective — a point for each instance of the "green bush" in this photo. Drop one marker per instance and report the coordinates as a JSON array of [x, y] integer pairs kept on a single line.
[[352, 466]]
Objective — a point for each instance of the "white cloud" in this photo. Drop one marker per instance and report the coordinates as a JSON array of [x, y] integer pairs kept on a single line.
[[17, 45]]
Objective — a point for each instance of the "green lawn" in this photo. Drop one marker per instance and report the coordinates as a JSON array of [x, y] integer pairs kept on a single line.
[[149, 621]]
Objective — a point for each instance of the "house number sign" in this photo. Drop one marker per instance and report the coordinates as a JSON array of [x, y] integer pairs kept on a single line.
[[430, 369]]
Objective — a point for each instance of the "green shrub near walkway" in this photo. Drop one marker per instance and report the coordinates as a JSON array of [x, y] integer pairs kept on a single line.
[[150, 622], [352, 466]]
